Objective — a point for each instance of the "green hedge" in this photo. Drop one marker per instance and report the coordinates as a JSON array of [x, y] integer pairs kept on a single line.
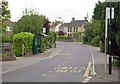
[[25, 38], [51, 40], [64, 37], [96, 41], [42, 45]]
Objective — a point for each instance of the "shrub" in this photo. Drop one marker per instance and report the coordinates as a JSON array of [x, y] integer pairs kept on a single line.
[[95, 41], [101, 47], [6, 39], [22, 38], [51, 40], [118, 38], [42, 45]]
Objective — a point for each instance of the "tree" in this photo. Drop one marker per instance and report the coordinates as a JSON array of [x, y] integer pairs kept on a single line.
[[5, 14], [115, 28], [31, 21], [47, 26], [92, 30], [98, 10]]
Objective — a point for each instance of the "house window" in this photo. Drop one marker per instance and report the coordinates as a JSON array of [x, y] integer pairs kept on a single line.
[[70, 29], [74, 29], [8, 28]]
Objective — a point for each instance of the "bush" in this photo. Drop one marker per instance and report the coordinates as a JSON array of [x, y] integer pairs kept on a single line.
[[42, 45], [6, 39], [51, 40], [101, 47], [118, 38], [116, 63], [22, 38], [95, 41]]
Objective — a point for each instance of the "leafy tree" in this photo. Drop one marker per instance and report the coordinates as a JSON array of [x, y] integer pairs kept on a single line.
[[98, 10], [5, 11], [92, 30], [47, 26], [115, 28], [5, 14], [30, 22]]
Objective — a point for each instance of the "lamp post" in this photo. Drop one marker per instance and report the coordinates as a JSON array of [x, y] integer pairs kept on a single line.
[[110, 57]]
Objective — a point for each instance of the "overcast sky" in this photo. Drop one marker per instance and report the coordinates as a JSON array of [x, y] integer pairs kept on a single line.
[[66, 9]]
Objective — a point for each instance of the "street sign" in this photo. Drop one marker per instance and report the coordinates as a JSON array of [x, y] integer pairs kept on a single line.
[[108, 13]]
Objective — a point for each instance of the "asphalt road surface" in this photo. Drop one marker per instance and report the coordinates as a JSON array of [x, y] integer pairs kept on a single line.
[[68, 65]]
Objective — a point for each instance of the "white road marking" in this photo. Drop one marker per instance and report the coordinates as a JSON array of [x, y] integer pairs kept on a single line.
[[94, 73], [75, 68], [79, 71], [89, 77], [85, 81], [22, 66], [65, 71], [43, 74], [61, 71], [71, 70], [70, 67]]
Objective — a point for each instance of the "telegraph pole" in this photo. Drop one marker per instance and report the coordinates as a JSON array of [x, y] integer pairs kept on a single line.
[[110, 26]]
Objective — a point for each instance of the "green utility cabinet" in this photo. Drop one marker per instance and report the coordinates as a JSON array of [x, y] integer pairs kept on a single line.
[[36, 43]]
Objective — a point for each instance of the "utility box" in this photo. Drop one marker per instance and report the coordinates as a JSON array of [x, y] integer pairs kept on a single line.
[[36, 43]]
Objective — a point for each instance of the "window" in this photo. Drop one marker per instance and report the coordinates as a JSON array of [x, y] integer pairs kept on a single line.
[[70, 29], [74, 29]]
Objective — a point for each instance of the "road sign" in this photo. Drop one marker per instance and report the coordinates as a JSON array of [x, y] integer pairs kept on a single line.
[[108, 13]]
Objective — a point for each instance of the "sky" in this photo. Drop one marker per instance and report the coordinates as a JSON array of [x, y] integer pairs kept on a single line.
[[52, 9]]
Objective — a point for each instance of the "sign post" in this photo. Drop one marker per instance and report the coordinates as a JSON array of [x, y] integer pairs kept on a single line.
[[108, 41]]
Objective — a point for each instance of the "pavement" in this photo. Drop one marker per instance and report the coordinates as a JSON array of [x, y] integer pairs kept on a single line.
[[21, 62], [99, 58], [101, 69]]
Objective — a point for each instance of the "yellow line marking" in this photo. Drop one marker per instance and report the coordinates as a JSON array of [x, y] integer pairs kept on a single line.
[[70, 67], [66, 67], [79, 71], [87, 72], [61, 71], [75, 68], [74, 71], [65, 71]]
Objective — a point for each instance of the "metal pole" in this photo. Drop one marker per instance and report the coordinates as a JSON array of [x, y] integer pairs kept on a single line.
[[119, 5], [106, 26], [110, 57]]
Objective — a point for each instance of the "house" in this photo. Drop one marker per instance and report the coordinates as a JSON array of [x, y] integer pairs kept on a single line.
[[9, 26], [54, 26], [74, 26]]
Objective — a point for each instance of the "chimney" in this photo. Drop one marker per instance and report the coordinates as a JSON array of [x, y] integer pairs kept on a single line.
[[73, 19], [85, 18]]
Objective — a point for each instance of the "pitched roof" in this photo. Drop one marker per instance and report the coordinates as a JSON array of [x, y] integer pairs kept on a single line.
[[75, 23]]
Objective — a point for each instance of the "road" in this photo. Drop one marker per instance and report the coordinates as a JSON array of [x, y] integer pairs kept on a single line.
[[67, 65]]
